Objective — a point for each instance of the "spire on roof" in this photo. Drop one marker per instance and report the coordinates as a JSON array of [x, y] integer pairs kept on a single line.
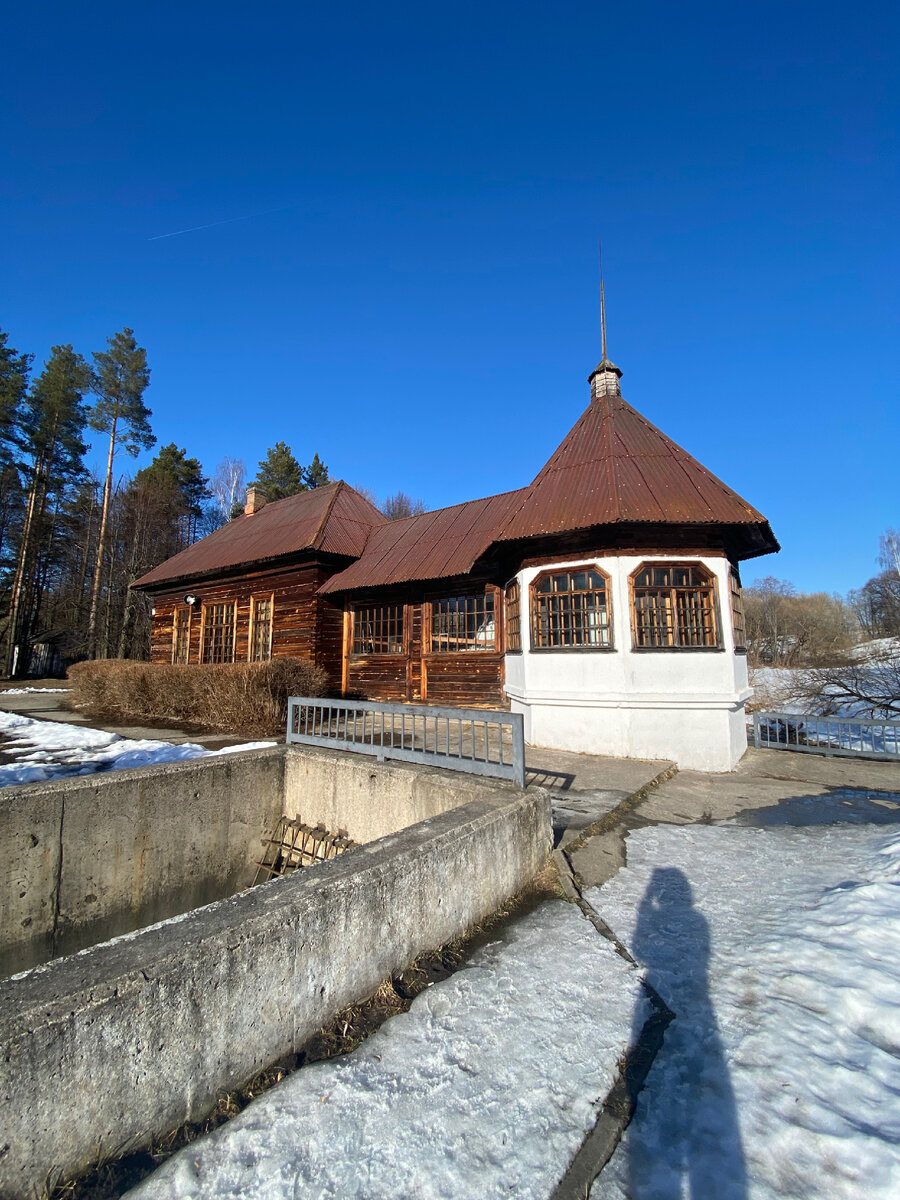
[[604, 379]]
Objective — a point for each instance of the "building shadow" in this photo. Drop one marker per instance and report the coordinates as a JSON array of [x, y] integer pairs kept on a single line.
[[685, 1139]]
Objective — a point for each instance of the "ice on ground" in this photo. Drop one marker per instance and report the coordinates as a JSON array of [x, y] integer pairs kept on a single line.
[[779, 953], [53, 749], [485, 1088]]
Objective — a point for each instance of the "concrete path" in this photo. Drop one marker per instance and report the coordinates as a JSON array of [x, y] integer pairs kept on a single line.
[[47, 706], [763, 779]]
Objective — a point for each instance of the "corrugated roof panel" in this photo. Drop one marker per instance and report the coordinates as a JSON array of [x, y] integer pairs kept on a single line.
[[433, 545], [616, 466], [333, 518]]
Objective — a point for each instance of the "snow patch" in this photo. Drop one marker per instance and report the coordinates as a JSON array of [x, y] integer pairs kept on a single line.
[[53, 749], [779, 953], [486, 1087]]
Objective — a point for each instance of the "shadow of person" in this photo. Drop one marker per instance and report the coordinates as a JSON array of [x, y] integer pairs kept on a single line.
[[684, 1140]]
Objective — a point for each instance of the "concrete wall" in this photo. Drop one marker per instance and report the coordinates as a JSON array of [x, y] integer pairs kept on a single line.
[[686, 705], [126, 1040], [367, 799], [89, 858]]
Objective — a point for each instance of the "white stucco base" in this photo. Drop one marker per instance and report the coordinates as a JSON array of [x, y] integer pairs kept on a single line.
[[687, 705], [703, 735]]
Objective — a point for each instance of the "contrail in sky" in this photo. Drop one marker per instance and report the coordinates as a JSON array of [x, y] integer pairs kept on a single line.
[[228, 221]]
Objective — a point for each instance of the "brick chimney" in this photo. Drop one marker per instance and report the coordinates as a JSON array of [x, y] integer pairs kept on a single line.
[[256, 498]]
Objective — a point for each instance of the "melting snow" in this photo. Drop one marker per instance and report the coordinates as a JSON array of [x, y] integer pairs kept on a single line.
[[779, 952], [485, 1088], [53, 749]]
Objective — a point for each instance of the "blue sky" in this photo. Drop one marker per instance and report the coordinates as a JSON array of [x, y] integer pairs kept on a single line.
[[413, 293]]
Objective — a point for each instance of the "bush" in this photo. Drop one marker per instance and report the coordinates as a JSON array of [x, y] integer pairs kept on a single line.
[[241, 698]]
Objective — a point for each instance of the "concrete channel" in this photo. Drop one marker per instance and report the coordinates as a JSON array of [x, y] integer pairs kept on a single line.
[[130, 1037]]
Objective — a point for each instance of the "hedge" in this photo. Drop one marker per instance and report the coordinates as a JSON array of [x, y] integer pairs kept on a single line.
[[244, 698]]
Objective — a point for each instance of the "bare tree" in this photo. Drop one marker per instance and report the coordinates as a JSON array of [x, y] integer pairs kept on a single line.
[[866, 687], [398, 506], [228, 484]]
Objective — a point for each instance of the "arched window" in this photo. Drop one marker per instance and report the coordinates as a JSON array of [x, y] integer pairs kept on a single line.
[[674, 607], [570, 609]]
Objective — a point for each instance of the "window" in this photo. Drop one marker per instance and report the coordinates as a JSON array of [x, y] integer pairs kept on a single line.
[[738, 625], [513, 617], [181, 635], [218, 633], [463, 623], [568, 609], [378, 629], [260, 647], [674, 607]]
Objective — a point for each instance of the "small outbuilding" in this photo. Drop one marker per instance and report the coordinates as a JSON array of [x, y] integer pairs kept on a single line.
[[603, 601]]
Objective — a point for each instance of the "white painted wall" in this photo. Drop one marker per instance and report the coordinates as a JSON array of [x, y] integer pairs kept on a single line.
[[686, 705]]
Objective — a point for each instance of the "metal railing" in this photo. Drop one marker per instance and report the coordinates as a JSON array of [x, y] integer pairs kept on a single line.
[[848, 737], [461, 739]]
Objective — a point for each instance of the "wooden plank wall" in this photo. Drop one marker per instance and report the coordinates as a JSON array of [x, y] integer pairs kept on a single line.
[[466, 679], [304, 625]]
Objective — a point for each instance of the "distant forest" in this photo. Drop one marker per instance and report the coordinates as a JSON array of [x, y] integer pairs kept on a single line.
[[71, 542]]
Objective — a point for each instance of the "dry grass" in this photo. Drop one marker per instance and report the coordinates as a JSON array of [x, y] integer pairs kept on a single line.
[[246, 698]]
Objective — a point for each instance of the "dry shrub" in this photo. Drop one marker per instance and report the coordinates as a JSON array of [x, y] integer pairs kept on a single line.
[[245, 698]]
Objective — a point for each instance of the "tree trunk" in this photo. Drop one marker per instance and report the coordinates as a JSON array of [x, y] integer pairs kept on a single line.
[[101, 546]]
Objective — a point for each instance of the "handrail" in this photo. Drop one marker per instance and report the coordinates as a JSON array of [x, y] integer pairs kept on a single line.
[[478, 741], [847, 737]]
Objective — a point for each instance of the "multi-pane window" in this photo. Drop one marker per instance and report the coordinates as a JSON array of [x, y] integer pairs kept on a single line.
[[570, 608], [218, 633], [737, 611], [260, 628], [181, 635], [674, 607], [463, 623], [513, 616], [378, 629]]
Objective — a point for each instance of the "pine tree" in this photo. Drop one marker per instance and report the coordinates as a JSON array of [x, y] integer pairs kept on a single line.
[[121, 378], [316, 474], [51, 431], [280, 474], [181, 478], [14, 371]]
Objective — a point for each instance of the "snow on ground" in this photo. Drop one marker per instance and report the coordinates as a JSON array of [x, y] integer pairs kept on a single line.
[[27, 691], [53, 749], [779, 952], [485, 1088]]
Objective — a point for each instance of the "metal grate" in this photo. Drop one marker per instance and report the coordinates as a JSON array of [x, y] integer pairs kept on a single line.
[[461, 739], [840, 736], [294, 845]]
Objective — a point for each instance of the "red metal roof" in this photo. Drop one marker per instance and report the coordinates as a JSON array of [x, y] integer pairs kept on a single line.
[[433, 545], [333, 519], [616, 467]]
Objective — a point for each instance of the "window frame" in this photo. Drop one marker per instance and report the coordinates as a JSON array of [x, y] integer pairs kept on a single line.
[[738, 617], [487, 598], [356, 609], [512, 620], [205, 606], [534, 609], [254, 600], [178, 611], [712, 583]]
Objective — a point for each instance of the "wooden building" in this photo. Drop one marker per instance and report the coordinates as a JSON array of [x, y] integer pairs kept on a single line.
[[602, 601]]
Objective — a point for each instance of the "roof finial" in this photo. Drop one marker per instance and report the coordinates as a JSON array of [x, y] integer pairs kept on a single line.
[[604, 379], [602, 300]]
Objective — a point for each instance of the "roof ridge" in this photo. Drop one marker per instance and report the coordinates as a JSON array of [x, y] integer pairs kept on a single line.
[[318, 536]]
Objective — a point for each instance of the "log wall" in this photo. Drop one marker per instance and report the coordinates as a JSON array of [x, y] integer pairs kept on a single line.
[[304, 625]]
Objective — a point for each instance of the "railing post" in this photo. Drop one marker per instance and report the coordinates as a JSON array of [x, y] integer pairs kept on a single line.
[[518, 748]]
